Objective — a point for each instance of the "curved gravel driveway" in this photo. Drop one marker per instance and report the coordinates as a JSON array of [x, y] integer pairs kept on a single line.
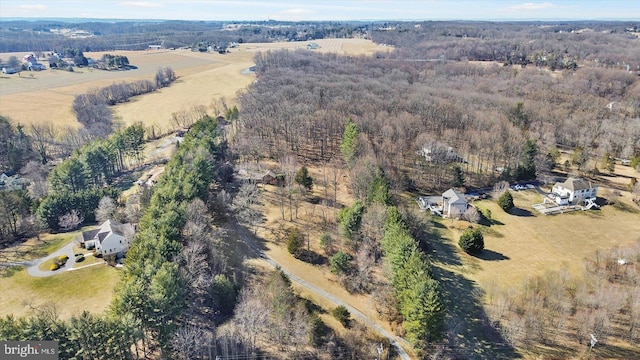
[[33, 267], [392, 339]]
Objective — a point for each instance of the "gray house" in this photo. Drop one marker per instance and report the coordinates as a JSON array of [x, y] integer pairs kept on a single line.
[[454, 203]]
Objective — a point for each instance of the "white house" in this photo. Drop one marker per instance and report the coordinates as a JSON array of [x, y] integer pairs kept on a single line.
[[453, 203], [575, 191], [110, 238]]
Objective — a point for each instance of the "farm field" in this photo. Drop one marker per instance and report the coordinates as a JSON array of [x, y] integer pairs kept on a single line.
[[202, 79]]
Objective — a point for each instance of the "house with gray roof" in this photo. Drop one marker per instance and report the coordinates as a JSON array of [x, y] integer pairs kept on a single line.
[[454, 203], [110, 238], [575, 191]]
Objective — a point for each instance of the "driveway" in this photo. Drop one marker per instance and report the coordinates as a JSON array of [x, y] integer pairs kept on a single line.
[[248, 240], [33, 267]]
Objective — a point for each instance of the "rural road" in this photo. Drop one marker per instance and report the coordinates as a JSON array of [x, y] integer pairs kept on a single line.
[[368, 321]]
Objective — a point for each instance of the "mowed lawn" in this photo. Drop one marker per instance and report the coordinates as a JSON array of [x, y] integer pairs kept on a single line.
[[72, 292], [530, 243]]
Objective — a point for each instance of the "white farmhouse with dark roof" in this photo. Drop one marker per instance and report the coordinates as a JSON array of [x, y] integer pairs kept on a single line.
[[575, 191], [110, 238]]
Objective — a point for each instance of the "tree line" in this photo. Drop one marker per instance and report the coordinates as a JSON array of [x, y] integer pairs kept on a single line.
[[21, 35], [80, 181], [555, 46], [92, 108]]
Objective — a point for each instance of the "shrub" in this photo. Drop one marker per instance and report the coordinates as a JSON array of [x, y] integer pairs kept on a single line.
[[304, 179], [505, 201], [80, 258], [472, 241], [326, 242], [350, 218], [295, 240], [342, 314], [54, 267], [486, 213], [340, 262]]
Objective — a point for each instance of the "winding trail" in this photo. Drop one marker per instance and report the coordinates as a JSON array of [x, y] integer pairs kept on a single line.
[[248, 240]]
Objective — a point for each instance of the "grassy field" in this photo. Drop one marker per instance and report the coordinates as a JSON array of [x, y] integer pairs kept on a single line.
[[530, 243], [34, 248], [72, 292], [202, 79]]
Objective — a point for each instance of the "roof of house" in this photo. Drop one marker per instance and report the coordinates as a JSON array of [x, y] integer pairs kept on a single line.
[[105, 229], [270, 173], [574, 184], [454, 196], [89, 235]]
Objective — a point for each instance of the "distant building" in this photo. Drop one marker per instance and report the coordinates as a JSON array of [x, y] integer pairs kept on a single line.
[[6, 70], [35, 66], [439, 152], [30, 58]]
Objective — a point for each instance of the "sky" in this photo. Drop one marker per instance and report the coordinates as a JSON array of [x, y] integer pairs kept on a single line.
[[298, 10]]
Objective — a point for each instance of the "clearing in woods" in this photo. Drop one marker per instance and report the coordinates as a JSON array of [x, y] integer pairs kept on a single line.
[[517, 246], [202, 79]]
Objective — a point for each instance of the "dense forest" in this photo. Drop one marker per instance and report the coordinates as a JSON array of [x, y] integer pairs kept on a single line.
[[486, 112]]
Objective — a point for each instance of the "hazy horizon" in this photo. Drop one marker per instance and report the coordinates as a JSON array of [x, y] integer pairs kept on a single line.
[[330, 10]]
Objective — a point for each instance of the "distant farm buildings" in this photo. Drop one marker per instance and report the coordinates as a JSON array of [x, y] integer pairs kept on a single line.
[[8, 71], [31, 63]]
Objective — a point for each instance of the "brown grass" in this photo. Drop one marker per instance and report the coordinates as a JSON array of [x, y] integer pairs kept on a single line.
[[202, 79], [531, 245], [311, 224]]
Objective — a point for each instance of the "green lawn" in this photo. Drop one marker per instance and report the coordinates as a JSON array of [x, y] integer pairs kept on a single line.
[[72, 291]]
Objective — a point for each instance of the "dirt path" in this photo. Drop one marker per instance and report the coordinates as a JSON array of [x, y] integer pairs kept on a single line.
[[250, 242]]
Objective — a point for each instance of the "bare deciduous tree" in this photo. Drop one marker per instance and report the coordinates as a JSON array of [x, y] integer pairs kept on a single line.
[[106, 209], [499, 188], [471, 215], [70, 220]]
